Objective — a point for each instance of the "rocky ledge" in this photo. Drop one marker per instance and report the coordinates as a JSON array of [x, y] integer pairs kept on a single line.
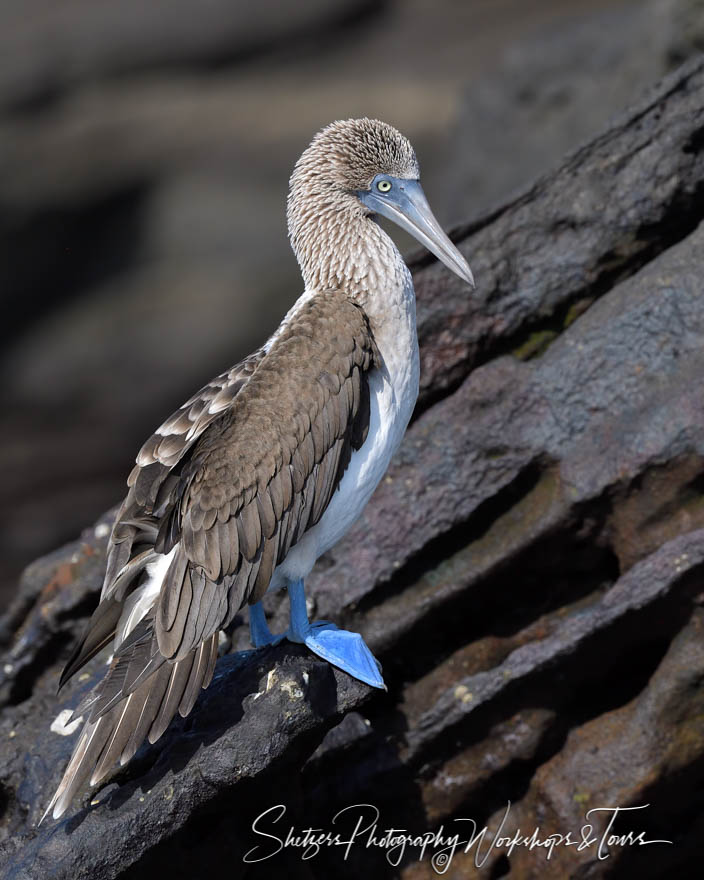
[[530, 572]]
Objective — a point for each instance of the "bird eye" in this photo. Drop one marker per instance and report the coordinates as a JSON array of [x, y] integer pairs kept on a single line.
[[383, 186]]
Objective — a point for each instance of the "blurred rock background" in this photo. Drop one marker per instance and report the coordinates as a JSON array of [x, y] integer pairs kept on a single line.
[[144, 156]]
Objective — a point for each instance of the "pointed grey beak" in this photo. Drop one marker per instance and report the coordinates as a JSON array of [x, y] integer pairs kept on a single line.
[[405, 203]]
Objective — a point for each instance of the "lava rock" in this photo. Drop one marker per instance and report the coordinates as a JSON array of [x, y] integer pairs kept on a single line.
[[262, 715]]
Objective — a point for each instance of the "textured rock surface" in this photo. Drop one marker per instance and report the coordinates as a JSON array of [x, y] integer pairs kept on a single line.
[[558, 86], [529, 572], [258, 717]]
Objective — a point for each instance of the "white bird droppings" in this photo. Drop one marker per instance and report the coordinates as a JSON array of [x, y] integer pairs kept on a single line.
[[291, 688], [101, 530], [59, 725]]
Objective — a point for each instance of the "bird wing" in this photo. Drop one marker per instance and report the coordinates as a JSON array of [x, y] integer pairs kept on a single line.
[[155, 475], [230, 501], [152, 483], [265, 474]]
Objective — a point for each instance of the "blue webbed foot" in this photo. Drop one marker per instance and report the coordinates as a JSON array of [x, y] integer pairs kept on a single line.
[[346, 650]]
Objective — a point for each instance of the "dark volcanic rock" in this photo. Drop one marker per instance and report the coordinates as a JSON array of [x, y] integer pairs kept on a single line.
[[645, 757], [530, 572], [553, 89], [546, 256], [262, 714]]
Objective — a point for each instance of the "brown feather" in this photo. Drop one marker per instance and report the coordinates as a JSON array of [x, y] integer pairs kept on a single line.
[[189, 635], [169, 450], [209, 517], [203, 607], [170, 638], [196, 517], [330, 381], [307, 452], [332, 409], [212, 660], [180, 672], [234, 545], [225, 562], [154, 695], [249, 530], [170, 600], [89, 746], [195, 680], [267, 518], [316, 431], [134, 661], [356, 386], [265, 570], [217, 611], [275, 492], [236, 589], [286, 486], [298, 472], [212, 559], [125, 722]]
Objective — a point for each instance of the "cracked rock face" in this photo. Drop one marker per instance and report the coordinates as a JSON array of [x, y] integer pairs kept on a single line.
[[530, 572]]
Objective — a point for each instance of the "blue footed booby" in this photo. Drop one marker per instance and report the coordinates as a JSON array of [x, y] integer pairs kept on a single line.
[[267, 466]]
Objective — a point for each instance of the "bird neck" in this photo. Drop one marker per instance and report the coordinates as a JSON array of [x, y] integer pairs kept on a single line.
[[351, 252], [348, 251]]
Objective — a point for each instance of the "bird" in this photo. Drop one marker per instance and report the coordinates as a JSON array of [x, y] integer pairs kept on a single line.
[[265, 468]]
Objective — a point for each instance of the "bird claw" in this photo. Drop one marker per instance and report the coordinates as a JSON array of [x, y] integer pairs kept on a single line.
[[346, 650]]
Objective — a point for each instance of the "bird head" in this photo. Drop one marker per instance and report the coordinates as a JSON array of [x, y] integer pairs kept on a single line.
[[366, 166]]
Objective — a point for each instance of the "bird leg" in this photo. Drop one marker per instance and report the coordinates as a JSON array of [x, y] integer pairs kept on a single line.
[[346, 650], [259, 631]]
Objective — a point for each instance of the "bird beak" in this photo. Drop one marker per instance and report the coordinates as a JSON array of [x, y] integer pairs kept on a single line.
[[408, 207]]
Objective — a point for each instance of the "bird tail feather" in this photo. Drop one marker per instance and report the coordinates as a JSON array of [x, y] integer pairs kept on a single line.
[[115, 728]]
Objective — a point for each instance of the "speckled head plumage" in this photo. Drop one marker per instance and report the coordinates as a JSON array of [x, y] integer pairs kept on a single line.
[[346, 155]]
